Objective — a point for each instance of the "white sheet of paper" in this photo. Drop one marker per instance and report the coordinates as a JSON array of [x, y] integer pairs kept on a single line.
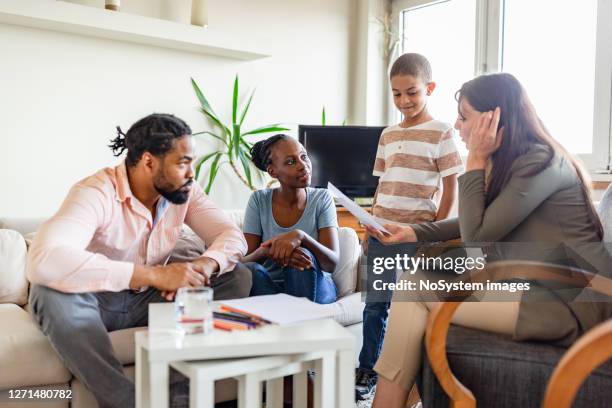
[[362, 215], [281, 308]]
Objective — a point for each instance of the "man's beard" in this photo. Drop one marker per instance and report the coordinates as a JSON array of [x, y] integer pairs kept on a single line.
[[175, 196]]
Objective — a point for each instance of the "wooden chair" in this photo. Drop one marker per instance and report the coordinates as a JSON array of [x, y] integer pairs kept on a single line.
[[593, 349], [589, 352]]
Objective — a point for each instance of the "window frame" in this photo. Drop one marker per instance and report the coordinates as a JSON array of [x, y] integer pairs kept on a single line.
[[489, 58]]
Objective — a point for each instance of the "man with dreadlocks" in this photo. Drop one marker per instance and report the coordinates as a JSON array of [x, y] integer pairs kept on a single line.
[[101, 259]]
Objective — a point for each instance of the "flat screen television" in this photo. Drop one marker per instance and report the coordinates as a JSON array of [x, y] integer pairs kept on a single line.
[[343, 155]]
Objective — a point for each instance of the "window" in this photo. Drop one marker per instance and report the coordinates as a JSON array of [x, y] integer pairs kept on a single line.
[[560, 51], [555, 62], [432, 30]]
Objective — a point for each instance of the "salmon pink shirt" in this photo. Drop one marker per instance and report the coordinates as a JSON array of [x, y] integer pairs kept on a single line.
[[101, 231]]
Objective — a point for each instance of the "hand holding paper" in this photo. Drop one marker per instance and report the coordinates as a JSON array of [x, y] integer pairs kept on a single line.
[[395, 235], [363, 216]]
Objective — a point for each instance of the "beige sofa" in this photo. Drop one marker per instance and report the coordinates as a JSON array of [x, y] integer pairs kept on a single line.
[[27, 359]]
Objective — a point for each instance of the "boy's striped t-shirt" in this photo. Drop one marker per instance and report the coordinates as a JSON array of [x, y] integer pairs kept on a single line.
[[410, 163]]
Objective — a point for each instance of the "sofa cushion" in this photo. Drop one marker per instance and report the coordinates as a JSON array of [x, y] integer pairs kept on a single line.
[[26, 356], [124, 345], [503, 373], [345, 275], [188, 247], [23, 225], [13, 283], [38, 403], [347, 310], [237, 216], [19, 335]]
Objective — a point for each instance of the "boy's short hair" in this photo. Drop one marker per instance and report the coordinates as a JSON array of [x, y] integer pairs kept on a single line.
[[412, 64]]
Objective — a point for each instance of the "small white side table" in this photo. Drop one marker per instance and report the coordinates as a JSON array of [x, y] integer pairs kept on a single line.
[[157, 348], [251, 372], [202, 377]]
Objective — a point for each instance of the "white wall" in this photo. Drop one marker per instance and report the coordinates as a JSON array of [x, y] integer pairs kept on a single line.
[[62, 95]]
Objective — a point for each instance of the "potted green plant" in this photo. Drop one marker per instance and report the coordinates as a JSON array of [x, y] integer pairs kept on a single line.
[[234, 144], [324, 121]]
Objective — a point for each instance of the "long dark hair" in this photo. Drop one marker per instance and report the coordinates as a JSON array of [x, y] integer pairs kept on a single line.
[[522, 129]]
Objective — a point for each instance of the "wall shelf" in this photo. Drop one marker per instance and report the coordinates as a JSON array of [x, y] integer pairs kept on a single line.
[[93, 22]]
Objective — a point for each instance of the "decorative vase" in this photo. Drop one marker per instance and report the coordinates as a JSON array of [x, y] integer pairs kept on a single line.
[[176, 10], [114, 5], [198, 13]]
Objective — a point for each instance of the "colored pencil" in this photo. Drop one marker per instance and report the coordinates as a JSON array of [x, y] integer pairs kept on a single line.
[[227, 325], [226, 308], [235, 317]]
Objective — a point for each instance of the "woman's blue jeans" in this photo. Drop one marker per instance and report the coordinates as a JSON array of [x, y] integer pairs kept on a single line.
[[313, 283]]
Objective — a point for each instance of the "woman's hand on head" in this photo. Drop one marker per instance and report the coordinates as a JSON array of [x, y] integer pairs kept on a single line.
[[484, 139], [281, 246], [397, 234]]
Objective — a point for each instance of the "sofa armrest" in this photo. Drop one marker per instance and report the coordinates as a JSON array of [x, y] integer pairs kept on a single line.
[[345, 275], [435, 342], [13, 254]]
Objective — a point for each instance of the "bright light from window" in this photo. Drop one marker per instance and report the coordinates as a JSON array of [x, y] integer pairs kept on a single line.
[[445, 34], [550, 47]]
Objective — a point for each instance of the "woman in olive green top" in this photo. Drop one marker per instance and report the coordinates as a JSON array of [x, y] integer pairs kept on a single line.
[[520, 186]]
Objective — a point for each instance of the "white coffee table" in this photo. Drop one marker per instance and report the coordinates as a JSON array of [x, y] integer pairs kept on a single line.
[[162, 344]]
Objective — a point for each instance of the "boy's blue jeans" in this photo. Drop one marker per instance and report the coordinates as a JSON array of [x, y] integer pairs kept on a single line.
[[374, 319], [313, 283]]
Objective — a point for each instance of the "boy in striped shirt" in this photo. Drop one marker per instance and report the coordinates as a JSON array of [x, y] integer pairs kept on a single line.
[[413, 157]]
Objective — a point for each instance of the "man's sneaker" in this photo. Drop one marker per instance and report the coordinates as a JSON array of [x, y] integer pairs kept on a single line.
[[365, 382]]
